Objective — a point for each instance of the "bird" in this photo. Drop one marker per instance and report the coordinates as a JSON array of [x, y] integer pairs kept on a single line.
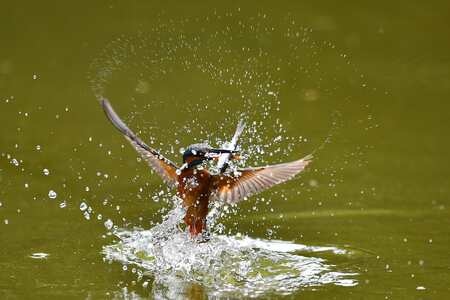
[[196, 185]]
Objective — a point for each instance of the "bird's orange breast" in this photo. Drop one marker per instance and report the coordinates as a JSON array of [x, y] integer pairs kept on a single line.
[[194, 188]]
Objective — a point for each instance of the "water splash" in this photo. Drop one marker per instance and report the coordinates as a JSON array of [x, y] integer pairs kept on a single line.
[[224, 266], [242, 72], [282, 80]]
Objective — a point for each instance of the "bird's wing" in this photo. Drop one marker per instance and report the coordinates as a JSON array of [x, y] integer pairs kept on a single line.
[[164, 167], [232, 189]]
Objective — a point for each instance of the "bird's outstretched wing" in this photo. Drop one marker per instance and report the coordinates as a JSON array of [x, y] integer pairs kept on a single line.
[[232, 189], [164, 167]]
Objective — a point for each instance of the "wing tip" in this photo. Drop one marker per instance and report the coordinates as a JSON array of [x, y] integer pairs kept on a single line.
[[108, 110], [106, 106], [302, 163], [308, 158], [114, 118]]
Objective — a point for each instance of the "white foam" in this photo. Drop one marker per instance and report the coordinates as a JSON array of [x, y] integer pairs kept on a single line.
[[225, 265]]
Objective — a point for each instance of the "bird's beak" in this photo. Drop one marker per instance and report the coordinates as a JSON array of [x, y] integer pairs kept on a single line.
[[215, 153]]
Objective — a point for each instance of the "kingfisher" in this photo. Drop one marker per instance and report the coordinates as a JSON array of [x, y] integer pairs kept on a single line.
[[196, 185]]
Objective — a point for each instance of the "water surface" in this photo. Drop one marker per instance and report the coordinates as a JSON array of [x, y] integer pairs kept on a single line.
[[364, 87]]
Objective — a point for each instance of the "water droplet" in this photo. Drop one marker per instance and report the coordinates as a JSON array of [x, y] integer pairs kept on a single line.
[[108, 224], [83, 206], [38, 147], [63, 204], [6, 221], [39, 255], [52, 194], [313, 183], [142, 87], [420, 288], [46, 172]]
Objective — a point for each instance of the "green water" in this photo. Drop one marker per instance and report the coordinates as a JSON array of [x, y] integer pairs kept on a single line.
[[375, 77]]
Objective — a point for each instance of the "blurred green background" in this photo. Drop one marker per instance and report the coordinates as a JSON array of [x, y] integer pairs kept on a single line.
[[372, 76]]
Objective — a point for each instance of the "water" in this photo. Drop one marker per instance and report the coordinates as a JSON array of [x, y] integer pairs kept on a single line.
[[363, 87], [227, 266]]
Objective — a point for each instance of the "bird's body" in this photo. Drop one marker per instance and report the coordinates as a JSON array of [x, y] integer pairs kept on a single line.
[[196, 186]]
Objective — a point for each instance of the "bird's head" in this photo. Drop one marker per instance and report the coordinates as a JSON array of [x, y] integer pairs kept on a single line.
[[198, 153]]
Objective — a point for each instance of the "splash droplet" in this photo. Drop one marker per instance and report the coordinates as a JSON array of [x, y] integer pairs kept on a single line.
[[52, 194], [87, 216], [83, 206], [39, 255], [108, 224]]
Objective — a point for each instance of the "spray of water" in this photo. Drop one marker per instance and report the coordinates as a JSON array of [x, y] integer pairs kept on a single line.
[[237, 62], [225, 265]]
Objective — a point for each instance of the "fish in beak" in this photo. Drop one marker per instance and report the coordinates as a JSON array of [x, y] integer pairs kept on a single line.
[[215, 153]]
